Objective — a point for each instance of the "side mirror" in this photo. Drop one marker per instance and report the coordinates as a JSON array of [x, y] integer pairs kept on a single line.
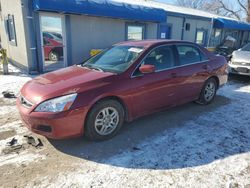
[[145, 69]]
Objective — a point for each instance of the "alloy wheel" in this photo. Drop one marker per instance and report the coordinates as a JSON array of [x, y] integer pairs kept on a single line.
[[210, 90], [106, 121]]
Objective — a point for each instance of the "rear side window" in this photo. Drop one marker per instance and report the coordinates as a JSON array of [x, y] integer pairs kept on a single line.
[[190, 54]]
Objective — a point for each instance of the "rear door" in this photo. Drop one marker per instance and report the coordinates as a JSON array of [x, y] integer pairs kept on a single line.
[[193, 70]]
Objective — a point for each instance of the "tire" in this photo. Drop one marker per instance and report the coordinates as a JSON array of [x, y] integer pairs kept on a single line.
[[100, 125], [54, 56], [208, 92]]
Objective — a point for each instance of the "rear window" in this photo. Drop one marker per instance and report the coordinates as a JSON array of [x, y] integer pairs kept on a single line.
[[189, 55]]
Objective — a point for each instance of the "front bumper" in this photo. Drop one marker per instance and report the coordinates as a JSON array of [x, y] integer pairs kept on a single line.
[[239, 69], [54, 125]]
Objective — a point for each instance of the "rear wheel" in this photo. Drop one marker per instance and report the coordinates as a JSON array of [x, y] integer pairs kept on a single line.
[[208, 92], [104, 120], [54, 56]]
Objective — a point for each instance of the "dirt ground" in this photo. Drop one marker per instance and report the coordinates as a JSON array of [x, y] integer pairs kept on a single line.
[[187, 146]]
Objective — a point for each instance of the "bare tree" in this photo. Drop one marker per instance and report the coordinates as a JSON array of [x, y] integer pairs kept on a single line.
[[197, 4], [248, 11], [239, 9]]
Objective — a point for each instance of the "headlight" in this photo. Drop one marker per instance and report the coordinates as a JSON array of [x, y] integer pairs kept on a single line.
[[58, 104]]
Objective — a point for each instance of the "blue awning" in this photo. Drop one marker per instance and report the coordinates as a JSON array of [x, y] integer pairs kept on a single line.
[[105, 8], [231, 24]]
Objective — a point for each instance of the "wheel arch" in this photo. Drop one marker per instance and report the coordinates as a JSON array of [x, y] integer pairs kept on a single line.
[[115, 98], [216, 79]]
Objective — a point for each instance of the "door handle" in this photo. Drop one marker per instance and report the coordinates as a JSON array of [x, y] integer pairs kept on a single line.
[[173, 75]]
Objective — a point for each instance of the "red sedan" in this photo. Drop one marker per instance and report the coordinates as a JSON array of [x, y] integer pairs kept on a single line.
[[127, 81]]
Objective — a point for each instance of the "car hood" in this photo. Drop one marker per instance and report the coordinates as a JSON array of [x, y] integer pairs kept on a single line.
[[73, 79], [241, 56]]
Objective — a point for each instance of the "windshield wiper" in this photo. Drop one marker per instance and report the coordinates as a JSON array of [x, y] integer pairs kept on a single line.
[[92, 67], [97, 68]]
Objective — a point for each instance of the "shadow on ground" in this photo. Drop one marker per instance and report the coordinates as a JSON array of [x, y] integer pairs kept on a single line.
[[134, 133], [241, 79]]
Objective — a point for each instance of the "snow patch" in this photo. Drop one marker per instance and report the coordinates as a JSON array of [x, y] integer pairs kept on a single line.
[[21, 158], [4, 110], [14, 81], [16, 126], [210, 151]]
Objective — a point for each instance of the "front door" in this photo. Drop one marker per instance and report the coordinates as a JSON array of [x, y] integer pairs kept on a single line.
[[156, 90], [53, 41]]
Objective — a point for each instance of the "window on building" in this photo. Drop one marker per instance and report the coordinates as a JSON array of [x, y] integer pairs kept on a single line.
[[135, 32], [11, 29], [216, 38], [217, 33], [189, 55], [187, 27], [201, 37]]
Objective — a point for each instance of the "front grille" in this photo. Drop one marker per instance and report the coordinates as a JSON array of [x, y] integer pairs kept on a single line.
[[241, 63], [25, 102]]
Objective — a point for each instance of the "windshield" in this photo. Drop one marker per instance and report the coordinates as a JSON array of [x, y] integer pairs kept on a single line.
[[246, 47], [116, 59], [228, 42]]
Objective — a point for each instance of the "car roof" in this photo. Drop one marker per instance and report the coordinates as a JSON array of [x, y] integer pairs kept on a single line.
[[152, 42]]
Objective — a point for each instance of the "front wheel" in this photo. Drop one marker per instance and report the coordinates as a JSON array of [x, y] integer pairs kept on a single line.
[[104, 120], [208, 92], [54, 56]]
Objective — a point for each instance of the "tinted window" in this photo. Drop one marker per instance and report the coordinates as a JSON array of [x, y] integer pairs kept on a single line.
[[46, 42], [161, 58], [246, 47], [189, 54], [47, 35]]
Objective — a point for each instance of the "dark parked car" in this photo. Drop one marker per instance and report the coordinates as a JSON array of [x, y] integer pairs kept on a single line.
[[127, 81], [227, 47]]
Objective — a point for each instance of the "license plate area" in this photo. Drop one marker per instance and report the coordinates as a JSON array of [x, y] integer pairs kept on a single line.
[[242, 69]]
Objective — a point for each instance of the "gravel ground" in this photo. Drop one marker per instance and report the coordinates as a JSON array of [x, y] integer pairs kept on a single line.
[[187, 146]]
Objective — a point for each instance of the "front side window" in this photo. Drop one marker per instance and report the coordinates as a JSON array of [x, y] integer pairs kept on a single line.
[[46, 35], [11, 29], [189, 54], [116, 59], [217, 33], [135, 32], [162, 58]]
